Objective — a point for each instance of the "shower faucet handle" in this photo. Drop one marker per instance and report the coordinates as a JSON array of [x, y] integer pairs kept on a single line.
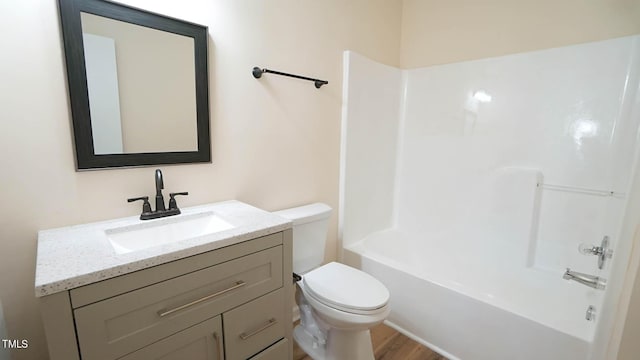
[[589, 249], [602, 252]]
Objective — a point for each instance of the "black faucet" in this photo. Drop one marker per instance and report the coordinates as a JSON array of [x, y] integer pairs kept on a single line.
[[161, 210], [159, 187]]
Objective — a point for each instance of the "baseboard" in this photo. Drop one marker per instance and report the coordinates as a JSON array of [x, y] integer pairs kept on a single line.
[[415, 338]]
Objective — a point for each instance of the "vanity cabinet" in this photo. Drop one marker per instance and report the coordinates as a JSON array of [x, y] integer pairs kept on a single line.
[[230, 303]]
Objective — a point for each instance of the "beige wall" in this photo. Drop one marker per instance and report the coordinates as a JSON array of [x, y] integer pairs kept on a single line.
[[275, 140], [444, 31]]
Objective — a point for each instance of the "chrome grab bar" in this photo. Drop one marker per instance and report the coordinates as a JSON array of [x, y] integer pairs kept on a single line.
[[585, 279], [238, 284], [271, 322]]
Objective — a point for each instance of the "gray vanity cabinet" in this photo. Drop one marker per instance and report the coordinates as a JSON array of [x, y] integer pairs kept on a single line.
[[230, 303]]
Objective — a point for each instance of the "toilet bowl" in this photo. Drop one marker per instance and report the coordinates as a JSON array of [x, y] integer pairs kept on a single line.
[[338, 304], [346, 302]]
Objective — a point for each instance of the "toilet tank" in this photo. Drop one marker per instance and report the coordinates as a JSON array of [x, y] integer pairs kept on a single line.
[[310, 227]]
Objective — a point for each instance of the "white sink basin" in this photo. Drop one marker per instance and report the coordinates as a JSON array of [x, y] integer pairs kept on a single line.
[[131, 238]]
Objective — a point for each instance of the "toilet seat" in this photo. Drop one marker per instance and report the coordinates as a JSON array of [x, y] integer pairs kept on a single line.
[[347, 289]]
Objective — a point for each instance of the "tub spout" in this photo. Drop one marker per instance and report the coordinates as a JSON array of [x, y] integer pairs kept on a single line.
[[585, 279]]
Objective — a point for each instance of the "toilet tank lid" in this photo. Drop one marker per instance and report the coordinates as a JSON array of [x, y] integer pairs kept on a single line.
[[307, 213]]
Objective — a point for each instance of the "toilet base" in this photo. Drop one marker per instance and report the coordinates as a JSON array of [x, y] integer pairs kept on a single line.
[[305, 341], [341, 345]]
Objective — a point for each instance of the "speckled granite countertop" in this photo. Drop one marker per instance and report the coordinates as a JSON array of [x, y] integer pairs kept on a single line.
[[78, 255]]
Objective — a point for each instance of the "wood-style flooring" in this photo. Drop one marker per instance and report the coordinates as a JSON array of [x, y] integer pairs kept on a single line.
[[388, 344]]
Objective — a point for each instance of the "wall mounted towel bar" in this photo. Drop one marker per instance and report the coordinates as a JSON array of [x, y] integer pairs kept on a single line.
[[257, 73]]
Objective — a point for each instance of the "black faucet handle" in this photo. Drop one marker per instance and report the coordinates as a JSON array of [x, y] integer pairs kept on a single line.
[[146, 207], [172, 199]]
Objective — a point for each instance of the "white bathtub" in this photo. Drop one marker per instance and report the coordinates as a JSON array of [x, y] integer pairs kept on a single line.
[[467, 188], [476, 307]]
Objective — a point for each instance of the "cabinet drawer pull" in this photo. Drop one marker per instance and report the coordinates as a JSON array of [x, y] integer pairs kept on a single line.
[[238, 284], [271, 322]]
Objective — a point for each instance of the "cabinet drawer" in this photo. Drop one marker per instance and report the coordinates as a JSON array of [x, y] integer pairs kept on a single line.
[[120, 325], [277, 351], [199, 342], [254, 326]]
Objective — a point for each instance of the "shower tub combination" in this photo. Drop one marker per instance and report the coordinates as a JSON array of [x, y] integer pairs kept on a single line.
[[467, 188]]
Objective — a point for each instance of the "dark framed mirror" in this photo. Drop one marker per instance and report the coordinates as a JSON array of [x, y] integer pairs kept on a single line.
[[138, 86]]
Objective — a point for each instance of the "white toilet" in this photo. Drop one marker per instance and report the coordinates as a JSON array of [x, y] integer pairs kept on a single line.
[[338, 304]]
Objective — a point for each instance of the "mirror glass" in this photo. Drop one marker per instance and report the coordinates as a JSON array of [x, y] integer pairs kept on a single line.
[[138, 86], [141, 84]]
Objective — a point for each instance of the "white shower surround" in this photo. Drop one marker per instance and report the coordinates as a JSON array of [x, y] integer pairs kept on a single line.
[[439, 195]]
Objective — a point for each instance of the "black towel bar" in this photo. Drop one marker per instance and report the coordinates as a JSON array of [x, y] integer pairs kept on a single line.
[[257, 73]]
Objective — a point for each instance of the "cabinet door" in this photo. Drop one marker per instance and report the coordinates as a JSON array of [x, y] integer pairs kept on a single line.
[[277, 351], [199, 342]]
